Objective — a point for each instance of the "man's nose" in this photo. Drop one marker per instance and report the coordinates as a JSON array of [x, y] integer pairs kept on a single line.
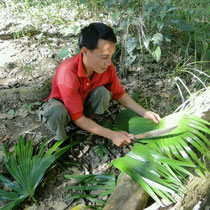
[[108, 62]]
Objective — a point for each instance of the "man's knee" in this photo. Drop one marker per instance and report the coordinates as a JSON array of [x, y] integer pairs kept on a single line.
[[53, 111], [56, 117], [57, 121], [58, 113], [101, 93], [98, 101]]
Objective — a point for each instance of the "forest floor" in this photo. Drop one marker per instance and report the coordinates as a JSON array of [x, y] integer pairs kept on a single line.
[[29, 60]]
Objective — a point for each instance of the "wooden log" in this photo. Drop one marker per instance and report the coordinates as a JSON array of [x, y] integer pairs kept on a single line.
[[128, 194], [198, 188]]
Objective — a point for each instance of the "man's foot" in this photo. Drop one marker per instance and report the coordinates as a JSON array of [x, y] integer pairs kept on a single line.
[[71, 127]]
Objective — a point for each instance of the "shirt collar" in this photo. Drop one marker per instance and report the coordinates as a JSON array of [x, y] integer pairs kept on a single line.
[[81, 70]]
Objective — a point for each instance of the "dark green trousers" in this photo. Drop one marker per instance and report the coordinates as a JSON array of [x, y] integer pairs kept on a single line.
[[56, 117]]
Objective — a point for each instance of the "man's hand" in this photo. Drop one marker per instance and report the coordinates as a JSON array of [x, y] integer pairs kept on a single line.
[[129, 103], [121, 138], [151, 115]]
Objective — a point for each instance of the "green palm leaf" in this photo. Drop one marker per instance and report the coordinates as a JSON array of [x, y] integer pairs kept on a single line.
[[161, 164], [11, 205], [176, 145], [122, 119], [104, 183], [151, 170], [26, 169]]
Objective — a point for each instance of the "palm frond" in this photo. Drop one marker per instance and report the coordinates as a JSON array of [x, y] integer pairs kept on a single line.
[[103, 183], [161, 164], [11, 205], [121, 120], [26, 169], [151, 170], [179, 141]]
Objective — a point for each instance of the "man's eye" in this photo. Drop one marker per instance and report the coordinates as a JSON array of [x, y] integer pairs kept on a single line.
[[105, 57]]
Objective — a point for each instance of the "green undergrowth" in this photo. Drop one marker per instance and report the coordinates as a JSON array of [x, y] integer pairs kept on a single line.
[[26, 169]]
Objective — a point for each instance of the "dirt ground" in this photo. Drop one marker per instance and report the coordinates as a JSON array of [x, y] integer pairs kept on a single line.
[[30, 62]]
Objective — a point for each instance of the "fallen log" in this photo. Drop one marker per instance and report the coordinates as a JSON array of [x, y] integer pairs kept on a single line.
[[25, 94], [127, 195]]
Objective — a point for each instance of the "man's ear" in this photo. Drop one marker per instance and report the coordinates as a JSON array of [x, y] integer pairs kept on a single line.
[[84, 50]]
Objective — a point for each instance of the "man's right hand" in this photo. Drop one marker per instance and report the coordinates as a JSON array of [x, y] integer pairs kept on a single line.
[[121, 138]]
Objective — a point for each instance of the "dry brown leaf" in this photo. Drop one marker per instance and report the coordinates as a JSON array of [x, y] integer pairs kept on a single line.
[[4, 138]]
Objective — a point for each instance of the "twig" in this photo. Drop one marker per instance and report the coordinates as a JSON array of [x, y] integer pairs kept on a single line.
[[30, 130], [68, 205]]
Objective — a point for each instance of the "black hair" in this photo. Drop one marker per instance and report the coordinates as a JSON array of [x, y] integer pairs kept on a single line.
[[90, 35]]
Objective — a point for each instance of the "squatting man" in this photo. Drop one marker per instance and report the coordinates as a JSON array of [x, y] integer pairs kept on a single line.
[[84, 85]]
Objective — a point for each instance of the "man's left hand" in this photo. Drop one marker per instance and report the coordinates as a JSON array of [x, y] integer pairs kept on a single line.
[[151, 115]]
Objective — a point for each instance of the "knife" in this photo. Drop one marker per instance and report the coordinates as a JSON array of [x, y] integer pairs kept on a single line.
[[153, 133]]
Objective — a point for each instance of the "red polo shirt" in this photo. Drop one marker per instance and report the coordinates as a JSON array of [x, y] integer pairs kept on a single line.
[[71, 84]]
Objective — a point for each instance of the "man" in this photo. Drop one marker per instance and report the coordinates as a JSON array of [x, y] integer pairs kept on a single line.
[[83, 85]]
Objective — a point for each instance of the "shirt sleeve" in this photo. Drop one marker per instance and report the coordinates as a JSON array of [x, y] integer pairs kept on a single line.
[[114, 85], [72, 100]]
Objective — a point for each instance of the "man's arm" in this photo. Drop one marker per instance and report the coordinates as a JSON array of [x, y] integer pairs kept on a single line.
[[129, 103], [119, 138]]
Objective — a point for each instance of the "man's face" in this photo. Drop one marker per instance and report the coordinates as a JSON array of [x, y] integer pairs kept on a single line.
[[99, 59]]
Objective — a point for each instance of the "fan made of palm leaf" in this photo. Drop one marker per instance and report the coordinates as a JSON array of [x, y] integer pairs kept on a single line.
[[161, 164], [27, 170]]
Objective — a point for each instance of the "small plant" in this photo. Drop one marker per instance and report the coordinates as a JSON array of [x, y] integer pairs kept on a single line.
[[29, 71], [100, 150], [64, 53], [92, 187], [27, 170], [27, 107], [191, 72]]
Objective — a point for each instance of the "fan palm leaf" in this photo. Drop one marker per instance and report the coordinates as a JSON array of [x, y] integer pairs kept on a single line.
[[151, 170], [104, 183], [176, 142], [26, 169], [161, 164]]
